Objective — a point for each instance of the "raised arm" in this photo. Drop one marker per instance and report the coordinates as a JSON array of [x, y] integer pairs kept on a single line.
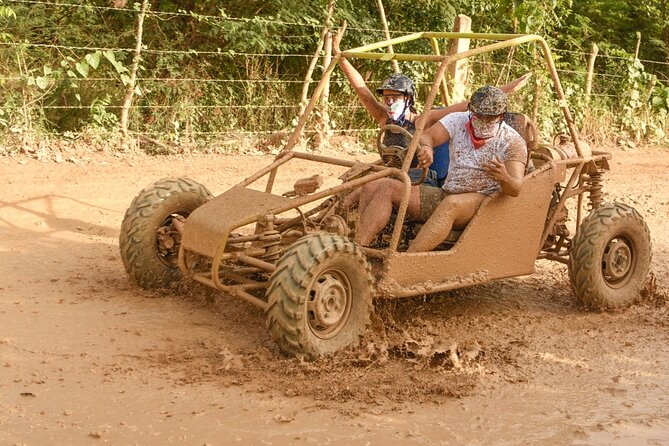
[[367, 98], [513, 86]]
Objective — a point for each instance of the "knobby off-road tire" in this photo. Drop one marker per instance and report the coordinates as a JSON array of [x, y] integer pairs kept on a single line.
[[320, 296], [610, 257], [151, 210]]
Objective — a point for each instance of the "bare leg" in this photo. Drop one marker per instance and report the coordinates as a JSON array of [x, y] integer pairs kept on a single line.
[[376, 205], [352, 199], [453, 210], [367, 192]]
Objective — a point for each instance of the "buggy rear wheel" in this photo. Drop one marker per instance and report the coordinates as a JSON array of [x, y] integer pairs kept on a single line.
[[320, 296], [149, 241], [610, 257]]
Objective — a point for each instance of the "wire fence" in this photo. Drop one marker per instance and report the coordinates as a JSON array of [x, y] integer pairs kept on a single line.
[[257, 99]]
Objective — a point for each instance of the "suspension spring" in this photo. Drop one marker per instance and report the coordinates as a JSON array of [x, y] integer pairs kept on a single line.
[[594, 183], [271, 242]]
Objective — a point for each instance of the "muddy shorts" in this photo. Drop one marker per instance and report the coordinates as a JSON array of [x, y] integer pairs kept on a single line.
[[415, 173], [430, 197]]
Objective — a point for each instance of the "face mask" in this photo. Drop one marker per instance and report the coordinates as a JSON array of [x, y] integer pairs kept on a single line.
[[484, 130], [397, 110]]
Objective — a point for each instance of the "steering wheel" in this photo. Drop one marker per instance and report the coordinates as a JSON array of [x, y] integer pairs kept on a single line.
[[393, 156]]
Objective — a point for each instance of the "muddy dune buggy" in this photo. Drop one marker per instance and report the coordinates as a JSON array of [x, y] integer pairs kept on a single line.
[[292, 254]]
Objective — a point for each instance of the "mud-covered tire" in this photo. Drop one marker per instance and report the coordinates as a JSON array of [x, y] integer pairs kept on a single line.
[[610, 257], [320, 296], [152, 209]]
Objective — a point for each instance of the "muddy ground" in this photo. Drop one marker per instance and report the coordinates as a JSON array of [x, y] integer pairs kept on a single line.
[[88, 358]]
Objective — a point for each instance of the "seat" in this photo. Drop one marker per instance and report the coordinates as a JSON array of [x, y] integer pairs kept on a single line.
[[522, 124]]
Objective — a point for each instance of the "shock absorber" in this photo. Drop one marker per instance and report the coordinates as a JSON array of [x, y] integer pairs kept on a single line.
[[594, 183], [271, 240]]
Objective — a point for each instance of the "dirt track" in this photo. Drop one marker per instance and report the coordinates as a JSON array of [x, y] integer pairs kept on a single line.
[[88, 358]]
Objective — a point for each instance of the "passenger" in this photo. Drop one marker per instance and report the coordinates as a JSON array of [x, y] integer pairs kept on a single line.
[[487, 156]]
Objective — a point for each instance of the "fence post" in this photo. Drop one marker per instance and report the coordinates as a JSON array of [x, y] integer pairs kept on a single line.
[[130, 91], [384, 22], [458, 71], [589, 74]]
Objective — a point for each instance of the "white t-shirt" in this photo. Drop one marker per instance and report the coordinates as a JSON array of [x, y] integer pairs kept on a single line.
[[465, 170]]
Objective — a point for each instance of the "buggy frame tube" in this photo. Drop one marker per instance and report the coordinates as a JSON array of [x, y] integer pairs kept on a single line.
[[445, 94], [214, 281], [504, 41]]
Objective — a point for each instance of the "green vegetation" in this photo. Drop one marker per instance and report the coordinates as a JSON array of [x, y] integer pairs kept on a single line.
[[213, 69]]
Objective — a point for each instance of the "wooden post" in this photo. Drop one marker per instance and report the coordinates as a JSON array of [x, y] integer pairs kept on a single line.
[[638, 45], [458, 72], [382, 13], [130, 91], [590, 73]]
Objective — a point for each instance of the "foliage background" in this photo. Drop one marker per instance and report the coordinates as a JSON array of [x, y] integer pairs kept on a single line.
[[214, 70]]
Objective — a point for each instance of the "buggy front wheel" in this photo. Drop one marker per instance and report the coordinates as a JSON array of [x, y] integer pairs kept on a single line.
[[610, 257], [320, 296]]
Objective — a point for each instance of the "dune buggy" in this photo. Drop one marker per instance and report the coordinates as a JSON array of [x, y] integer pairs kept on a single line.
[[293, 254]]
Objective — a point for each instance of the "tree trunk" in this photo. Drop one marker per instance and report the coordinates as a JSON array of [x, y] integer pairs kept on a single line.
[[589, 74], [323, 117], [312, 65], [382, 13], [130, 91]]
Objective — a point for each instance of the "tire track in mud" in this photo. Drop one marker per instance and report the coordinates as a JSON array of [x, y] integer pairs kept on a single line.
[[428, 349]]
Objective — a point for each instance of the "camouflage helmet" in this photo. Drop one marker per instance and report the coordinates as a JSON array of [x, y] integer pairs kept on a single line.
[[398, 82], [488, 101]]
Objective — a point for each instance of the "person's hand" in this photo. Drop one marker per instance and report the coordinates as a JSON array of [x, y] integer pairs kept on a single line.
[[425, 156], [517, 84], [496, 170]]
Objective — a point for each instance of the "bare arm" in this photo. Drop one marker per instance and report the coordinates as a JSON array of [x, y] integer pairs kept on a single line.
[[434, 136], [509, 174], [513, 86], [367, 98], [435, 115]]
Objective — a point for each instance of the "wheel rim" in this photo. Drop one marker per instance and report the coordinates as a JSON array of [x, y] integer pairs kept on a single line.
[[329, 303], [168, 240], [618, 261]]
